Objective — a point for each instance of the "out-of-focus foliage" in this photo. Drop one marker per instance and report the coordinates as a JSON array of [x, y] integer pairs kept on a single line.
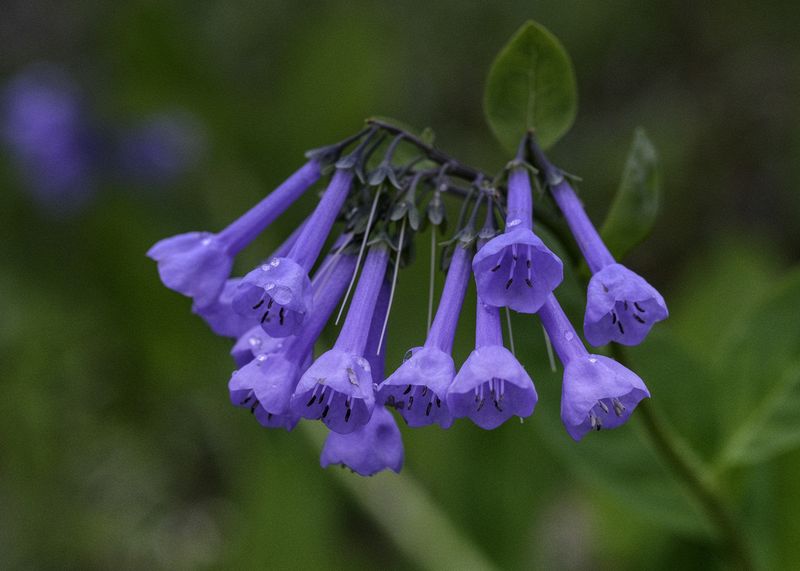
[[118, 445]]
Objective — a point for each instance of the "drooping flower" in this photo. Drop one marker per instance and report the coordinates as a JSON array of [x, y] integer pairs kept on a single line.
[[337, 387], [47, 130], [279, 292], [372, 448], [516, 269], [197, 264], [418, 388], [620, 305], [597, 392], [220, 315], [491, 386], [377, 445], [271, 367]]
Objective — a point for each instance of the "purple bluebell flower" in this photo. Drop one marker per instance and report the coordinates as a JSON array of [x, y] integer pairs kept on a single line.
[[491, 386], [597, 392], [377, 445], [337, 387], [272, 366], [220, 315], [47, 131], [372, 448], [197, 264], [279, 292], [418, 388], [162, 148], [516, 269], [620, 305]]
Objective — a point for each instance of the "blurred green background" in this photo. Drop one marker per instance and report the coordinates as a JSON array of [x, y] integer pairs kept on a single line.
[[118, 447]]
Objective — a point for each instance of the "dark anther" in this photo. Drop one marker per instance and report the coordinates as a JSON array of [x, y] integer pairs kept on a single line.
[[438, 403], [253, 408], [259, 304], [528, 282], [605, 288], [497, 406], [509, 282], [613, 317], [638, 307], [321, 396], [621, 330], [269, 305], [528, 263], [347, 415], [408, 390], [428, 409], [325, 411], [497, 267], [245, 401], [625, 305], [515, 257], [309, 403], [264, 317], [424, 391], [480, 406], [410, 402], [281, 314], [269, 416]]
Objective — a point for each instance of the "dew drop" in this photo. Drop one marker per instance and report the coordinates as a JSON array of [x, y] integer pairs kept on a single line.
[[206, 242], [254, 342], [269, 287], [261, 358], [593, 360], [265, 267], [274, 263], [515, 222]]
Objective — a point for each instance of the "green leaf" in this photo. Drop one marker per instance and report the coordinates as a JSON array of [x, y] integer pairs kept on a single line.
[[759, 380], [531, 86], [635, 206]]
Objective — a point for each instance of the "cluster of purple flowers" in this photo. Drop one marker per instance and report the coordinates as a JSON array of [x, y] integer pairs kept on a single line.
[[277, 311]]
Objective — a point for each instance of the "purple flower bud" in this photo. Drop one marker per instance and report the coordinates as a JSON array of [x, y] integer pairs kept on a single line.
[[197, 264], [271, 367], [491, 386], [597, 392], [418, 388], [337, 387], [516, 269], [372, 448], [280, 292], [621, 306]]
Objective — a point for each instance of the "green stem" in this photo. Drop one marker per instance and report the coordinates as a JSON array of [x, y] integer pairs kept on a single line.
[[694, 476]]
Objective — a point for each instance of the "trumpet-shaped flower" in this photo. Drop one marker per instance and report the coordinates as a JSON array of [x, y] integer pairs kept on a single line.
[[491, 386], [597, 392], [516, 269], [337, 387], [197, 264]]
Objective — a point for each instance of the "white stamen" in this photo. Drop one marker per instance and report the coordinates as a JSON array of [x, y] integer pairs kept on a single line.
[[360, 253], [394, 284], [549, 346], [510, 332]]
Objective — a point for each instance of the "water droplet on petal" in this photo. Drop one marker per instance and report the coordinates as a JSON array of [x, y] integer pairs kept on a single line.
[[254, 342], [593, 360], [265, 267], [206, 242], [515, 222], [274, 263], [261, 358], [269, 286], [568, 336]]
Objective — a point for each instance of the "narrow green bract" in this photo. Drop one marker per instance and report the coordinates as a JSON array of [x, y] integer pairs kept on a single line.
[[531, 85]]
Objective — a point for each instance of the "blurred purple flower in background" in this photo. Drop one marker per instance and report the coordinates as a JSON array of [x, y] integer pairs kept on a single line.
[[162, 148], [47, 133]]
